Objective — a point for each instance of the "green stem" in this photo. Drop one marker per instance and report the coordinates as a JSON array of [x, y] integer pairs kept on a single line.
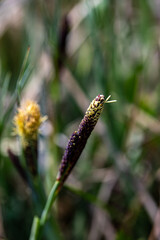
[[38, 224], [35, 229], [52, 196]]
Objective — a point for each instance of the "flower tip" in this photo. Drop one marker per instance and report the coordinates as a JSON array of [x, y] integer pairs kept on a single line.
[[107, 98], [111, 101]]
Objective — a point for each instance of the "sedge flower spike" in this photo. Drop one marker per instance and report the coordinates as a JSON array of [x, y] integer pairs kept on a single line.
[[72, 152], [79, 138], [27, 122]]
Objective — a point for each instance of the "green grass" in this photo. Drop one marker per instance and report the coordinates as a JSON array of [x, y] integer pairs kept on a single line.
[[117, 53]]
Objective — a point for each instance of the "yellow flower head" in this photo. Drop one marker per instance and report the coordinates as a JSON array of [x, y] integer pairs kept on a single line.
[[27, 122]]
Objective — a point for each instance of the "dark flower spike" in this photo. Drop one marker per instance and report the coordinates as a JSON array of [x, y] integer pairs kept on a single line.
[[72, 152], [79, 138]]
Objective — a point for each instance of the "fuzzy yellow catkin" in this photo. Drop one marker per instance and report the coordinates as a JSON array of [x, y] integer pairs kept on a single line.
[[27, 122]]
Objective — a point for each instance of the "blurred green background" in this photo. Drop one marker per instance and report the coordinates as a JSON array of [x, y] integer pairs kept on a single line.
[[62, 54]]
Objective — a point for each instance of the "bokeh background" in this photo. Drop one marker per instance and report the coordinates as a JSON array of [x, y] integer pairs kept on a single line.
[[62, 54]]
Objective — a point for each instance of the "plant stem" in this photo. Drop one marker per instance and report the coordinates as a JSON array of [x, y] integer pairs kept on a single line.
[[38, 224], [35, 229], [52, 196]]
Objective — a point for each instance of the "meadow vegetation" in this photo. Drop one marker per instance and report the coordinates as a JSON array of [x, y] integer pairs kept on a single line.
[[62, 54]]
